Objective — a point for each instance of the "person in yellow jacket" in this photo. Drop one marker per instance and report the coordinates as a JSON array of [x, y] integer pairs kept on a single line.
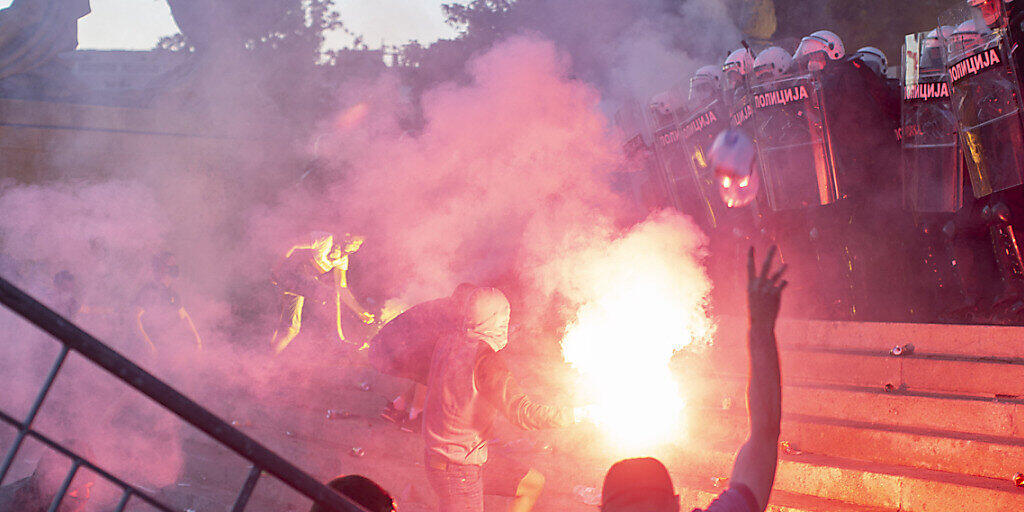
[[315, 269]]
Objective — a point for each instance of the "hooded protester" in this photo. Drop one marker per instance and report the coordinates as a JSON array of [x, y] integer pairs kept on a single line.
[[468, 385], [402, 348]]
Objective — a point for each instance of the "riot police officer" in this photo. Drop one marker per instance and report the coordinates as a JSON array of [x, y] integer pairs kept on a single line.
[[986, 100], [932, 176]]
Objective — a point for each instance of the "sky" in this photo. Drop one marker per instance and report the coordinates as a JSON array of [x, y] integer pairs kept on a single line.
[[139, 24]]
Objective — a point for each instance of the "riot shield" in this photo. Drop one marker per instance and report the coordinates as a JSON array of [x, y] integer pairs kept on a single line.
[[741, 108], [630, 121], [794, 147], [676, 158], [698, 132], [639, 173], [930, 169], [985, 99]]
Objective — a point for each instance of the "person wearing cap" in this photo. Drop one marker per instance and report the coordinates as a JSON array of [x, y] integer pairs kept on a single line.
[[635, 485], [468, 385], [402, 348], [316, 269], [361, 490]]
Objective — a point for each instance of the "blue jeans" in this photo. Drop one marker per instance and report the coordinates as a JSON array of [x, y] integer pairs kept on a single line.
[[459, 488]]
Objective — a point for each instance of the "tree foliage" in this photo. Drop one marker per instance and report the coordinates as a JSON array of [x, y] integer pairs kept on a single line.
[[266, 27], [881, 23], [254, 52]]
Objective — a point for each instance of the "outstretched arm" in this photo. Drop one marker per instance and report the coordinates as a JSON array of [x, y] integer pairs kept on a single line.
[[192, 327], [344, 296], [499, 387], [757, 458], [142, 330]]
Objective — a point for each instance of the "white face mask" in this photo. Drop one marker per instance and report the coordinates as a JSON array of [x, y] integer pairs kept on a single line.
[[486, 318]]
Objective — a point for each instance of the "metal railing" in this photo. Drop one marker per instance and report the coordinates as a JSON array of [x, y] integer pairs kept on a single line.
[[72, 337]]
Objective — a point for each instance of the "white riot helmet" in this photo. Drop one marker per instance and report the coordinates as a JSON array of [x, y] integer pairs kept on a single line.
[[934, 43], [737, 65], [873, 58], [733, 157], [938, 36], [705, 82], [709, 73], [771, 63], [665, 103], [822, 41], [964, 37]]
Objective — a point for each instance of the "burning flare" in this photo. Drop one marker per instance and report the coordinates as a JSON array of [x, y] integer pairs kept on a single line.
[[646, 297]]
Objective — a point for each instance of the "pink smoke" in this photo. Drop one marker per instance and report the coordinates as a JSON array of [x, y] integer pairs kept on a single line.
[[508, 170], [504, 178]]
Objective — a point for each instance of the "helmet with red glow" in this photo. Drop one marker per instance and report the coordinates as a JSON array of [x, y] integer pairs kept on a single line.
[[733, 157], [873, 58], [991, 10]]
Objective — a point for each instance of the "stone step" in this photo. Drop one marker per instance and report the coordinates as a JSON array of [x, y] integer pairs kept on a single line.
[[908, 489], [981, 378], [963, 340], [872, 484], [954, 452], [699, 473], [693, 492], [956, 413], [929, 372]]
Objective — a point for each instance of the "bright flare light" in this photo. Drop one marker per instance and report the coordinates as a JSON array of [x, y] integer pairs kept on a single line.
[[648, 297]]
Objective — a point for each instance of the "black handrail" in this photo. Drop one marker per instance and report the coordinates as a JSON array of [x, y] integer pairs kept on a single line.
[[85, 344], [129, 490]]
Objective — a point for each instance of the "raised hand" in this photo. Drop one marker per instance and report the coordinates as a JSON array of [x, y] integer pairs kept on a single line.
[[764, 289]]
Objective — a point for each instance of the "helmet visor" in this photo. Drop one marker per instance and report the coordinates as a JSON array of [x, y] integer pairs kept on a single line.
[[702, 89], [961, 42], [815, 44], [765, 71]]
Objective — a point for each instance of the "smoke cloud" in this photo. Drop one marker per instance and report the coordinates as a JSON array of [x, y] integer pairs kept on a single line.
[[630, 50], [505, 180], [507, 171]]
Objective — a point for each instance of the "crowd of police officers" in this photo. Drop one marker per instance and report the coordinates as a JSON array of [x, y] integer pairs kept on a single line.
[[857, 176]]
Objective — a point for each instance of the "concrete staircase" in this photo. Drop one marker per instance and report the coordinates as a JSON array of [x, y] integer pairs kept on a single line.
[[938, 429]]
